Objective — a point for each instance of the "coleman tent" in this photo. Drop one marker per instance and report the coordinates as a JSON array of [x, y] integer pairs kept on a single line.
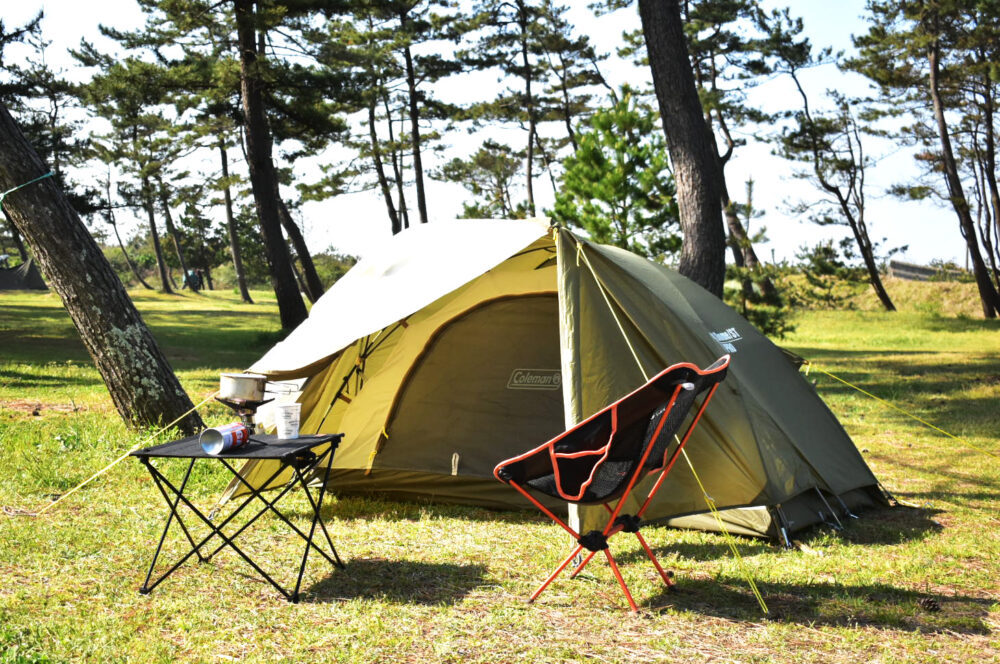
[[462, 344]]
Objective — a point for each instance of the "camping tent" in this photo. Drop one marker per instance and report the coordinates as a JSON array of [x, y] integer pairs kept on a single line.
[[23, 277], [461, 344]]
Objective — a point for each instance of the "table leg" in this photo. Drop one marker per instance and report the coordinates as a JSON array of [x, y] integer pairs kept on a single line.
[[146, 588], [316, 506], [215, 531]]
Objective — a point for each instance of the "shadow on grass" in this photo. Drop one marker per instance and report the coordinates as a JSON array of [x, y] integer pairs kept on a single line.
[[27, 379], [959, 324], [871, 605], [968, 486], [891, 525], [401, 581], [368, 506], [883, 526]]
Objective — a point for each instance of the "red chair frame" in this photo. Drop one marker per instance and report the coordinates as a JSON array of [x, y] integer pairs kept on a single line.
[[677, 378]]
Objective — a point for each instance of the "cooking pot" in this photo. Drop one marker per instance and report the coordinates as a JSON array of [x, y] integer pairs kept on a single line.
[[247, 386]]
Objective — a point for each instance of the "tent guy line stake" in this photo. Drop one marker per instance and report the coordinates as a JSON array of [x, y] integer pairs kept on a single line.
[[119, 459]]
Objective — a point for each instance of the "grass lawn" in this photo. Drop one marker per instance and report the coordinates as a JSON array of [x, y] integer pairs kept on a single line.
[[427, 582]]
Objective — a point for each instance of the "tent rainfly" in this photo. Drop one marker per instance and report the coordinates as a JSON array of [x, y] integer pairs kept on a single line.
[[461, 344], [23, 277]]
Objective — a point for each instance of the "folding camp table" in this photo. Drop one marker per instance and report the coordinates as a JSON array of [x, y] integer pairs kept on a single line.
[[300, 455]]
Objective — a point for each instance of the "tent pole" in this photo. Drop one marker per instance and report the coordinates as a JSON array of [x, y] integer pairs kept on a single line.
[[847, 510], [362, 356], [832, 513], [783, 526]]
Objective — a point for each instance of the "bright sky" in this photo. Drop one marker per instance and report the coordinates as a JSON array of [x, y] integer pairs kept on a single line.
[[356, 223]]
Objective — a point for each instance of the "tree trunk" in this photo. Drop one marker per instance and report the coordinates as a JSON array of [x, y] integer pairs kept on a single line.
[[128, 259], [161, 264], [743, 252], [418, 164], [397, 166], [990, 174], [172, 231], [987, 292], [529, 107], [263, 177], [383, 181], [861, 238], [566, 106], [546, 161], [142, 385], [695, 164], [314, 287], [111, 220], [234, 239]]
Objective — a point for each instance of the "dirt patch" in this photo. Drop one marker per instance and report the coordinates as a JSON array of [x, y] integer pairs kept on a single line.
[[36, 408]]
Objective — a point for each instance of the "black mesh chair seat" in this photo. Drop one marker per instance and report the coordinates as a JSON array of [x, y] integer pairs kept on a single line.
[[600, 460]]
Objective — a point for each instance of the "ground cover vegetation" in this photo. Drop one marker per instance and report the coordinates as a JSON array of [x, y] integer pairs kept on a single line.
[[434, 582]]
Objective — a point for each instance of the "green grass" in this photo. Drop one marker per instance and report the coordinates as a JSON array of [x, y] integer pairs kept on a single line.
[[428, 582]]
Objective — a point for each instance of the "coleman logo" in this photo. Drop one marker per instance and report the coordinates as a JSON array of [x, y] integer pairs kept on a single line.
[[728, 338], [535, 379]]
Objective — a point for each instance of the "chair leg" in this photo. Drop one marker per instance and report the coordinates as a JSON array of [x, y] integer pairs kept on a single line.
[[667, 576], [621, 581], [556, 573]]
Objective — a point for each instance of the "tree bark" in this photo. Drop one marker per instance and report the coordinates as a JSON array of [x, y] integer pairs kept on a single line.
[[234, 239], [990, 174], [383, 181], [988, 295], [172, 231], [161, 264], [263, 177], [128, 259], [529, 103], [418, 164], [397, 164], [139, 378], [695, 164], [313, 286]]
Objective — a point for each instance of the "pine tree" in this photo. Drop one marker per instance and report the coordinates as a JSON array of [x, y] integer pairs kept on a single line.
[[830, 144], [921, 55], [617, 186], [694, 159], [141, 383]]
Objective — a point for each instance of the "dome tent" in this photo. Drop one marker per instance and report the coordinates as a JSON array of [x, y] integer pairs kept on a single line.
[[461, 344]]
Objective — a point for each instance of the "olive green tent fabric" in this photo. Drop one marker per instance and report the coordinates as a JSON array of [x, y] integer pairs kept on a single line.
[[446, 387], [766, 439]]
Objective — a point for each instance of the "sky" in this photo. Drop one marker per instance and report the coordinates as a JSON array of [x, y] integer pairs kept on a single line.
[[357, 223]]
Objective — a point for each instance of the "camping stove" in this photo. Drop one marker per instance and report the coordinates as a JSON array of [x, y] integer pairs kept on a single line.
[[245, 408]]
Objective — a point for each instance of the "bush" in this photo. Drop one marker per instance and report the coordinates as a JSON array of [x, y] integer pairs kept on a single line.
[[766, 309]]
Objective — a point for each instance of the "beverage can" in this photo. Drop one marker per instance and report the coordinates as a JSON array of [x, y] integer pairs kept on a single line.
[[224, 438]]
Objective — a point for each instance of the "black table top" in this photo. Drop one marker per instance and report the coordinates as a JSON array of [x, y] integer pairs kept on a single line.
[[260, 446]]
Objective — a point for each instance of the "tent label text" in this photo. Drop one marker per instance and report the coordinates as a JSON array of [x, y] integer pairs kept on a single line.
[[535, 379]]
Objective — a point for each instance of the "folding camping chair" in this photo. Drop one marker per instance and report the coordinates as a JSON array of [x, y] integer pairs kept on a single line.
[[601, 459]]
